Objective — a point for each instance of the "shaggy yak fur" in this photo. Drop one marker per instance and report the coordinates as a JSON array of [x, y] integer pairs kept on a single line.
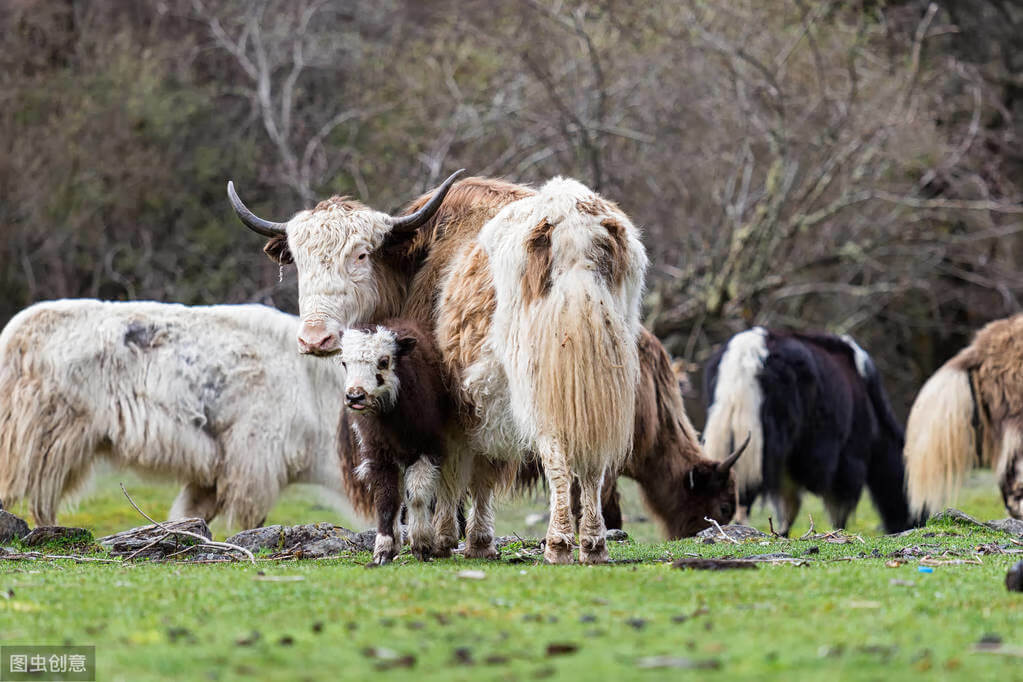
[[533, 298], [680, 486], [970, 412], [398, 409], [211, 396], [819, 419]]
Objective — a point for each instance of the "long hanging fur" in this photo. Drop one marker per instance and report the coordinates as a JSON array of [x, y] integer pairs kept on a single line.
[[942, 444], [940, 440], [732, 379], [567, 314], [215, 397]]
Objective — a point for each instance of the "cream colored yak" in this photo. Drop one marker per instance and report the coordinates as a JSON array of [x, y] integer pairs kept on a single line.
[[214, 397], [534, 300], [970, 412]]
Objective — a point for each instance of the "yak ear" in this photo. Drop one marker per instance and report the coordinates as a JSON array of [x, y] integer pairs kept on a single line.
[[277, 250], [405, 345]]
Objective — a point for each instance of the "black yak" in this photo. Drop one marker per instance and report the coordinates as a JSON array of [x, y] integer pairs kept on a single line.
[[819, 418]]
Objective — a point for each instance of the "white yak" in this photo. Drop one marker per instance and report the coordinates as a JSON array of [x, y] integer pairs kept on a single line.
[[214, 397]]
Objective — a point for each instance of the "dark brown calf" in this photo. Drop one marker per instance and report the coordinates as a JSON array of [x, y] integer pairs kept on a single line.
[[397, 408]]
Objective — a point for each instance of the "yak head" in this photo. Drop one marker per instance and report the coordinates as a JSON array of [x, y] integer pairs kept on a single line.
[[340, 249], [707, 491], [1011, 483], [370, 357]]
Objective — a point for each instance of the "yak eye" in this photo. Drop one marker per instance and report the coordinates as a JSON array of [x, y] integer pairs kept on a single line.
[[362, 256], [382, 363]]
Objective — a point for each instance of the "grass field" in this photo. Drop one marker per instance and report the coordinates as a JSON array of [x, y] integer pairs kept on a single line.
[[334, 619]]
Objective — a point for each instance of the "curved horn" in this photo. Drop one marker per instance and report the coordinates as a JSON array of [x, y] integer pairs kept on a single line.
[[408, 223], [252, 221], [726, 464]]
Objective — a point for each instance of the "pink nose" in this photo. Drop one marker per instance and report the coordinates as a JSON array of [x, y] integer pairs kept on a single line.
[[314, 338]]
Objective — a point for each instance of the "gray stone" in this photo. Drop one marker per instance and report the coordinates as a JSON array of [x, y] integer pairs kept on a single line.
[[1011, 526], [617, 535], [45, 535], [154, 542], [11, 527]]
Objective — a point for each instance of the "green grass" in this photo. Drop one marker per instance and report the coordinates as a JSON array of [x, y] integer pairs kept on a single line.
[[847, 620]]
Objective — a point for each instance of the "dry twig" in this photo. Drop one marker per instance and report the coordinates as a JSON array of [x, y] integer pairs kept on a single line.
[[223, 546], [721, 530]]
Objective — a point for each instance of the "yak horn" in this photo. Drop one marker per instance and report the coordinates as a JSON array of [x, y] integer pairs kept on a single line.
[[266, 228], [725, 465], [408, 223]]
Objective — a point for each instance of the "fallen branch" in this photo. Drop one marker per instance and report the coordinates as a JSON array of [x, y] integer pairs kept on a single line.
[[721, 530], [223, 546]]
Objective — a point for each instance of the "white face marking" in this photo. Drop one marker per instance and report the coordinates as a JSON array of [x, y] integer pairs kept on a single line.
[[332, 249], [369, 358]]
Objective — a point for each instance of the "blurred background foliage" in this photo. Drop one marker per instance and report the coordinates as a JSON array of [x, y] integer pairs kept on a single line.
[[848, 166]]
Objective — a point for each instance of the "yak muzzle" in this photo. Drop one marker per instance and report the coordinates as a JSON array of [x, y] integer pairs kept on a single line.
[[315, 339]]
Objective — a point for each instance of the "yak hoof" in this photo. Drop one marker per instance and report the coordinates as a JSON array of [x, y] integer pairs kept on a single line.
[[593, 550], [423, 552], [488, 551], [558, 549]]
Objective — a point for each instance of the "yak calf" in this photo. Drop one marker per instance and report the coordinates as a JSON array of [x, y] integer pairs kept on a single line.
[[395, 394]]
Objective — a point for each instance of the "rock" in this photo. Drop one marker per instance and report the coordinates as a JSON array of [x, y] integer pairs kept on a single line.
[[312, 541], [1014, 578], [1011, 526], [734, 531], [616, 535], [138, 539], [11, 527], [44, 535], [954, 517]]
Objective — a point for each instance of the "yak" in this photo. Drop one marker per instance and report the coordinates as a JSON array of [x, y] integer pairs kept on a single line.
[[533, 299], [818, 417], [209, 396], [970, 412], [394, 390]]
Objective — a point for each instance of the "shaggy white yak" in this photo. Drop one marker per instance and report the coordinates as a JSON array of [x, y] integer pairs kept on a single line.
[[214, 397]]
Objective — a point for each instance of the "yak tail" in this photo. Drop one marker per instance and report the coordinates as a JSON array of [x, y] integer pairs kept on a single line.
[[735, 410], [46, 444], [886, 472], [940, 440], [585, 372]]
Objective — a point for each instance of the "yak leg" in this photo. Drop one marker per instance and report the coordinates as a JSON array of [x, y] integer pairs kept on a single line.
[[839, 510], [195, 501], [385, 482], [592, 532], [479, 530], [786, 504], [454, 475], [420, 488], [558, 549]]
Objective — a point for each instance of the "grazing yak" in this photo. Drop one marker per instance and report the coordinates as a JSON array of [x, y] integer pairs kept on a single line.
[[533, 297], [394, 389], [819, 419], [970, 412], [214, 397], [680, 486]]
